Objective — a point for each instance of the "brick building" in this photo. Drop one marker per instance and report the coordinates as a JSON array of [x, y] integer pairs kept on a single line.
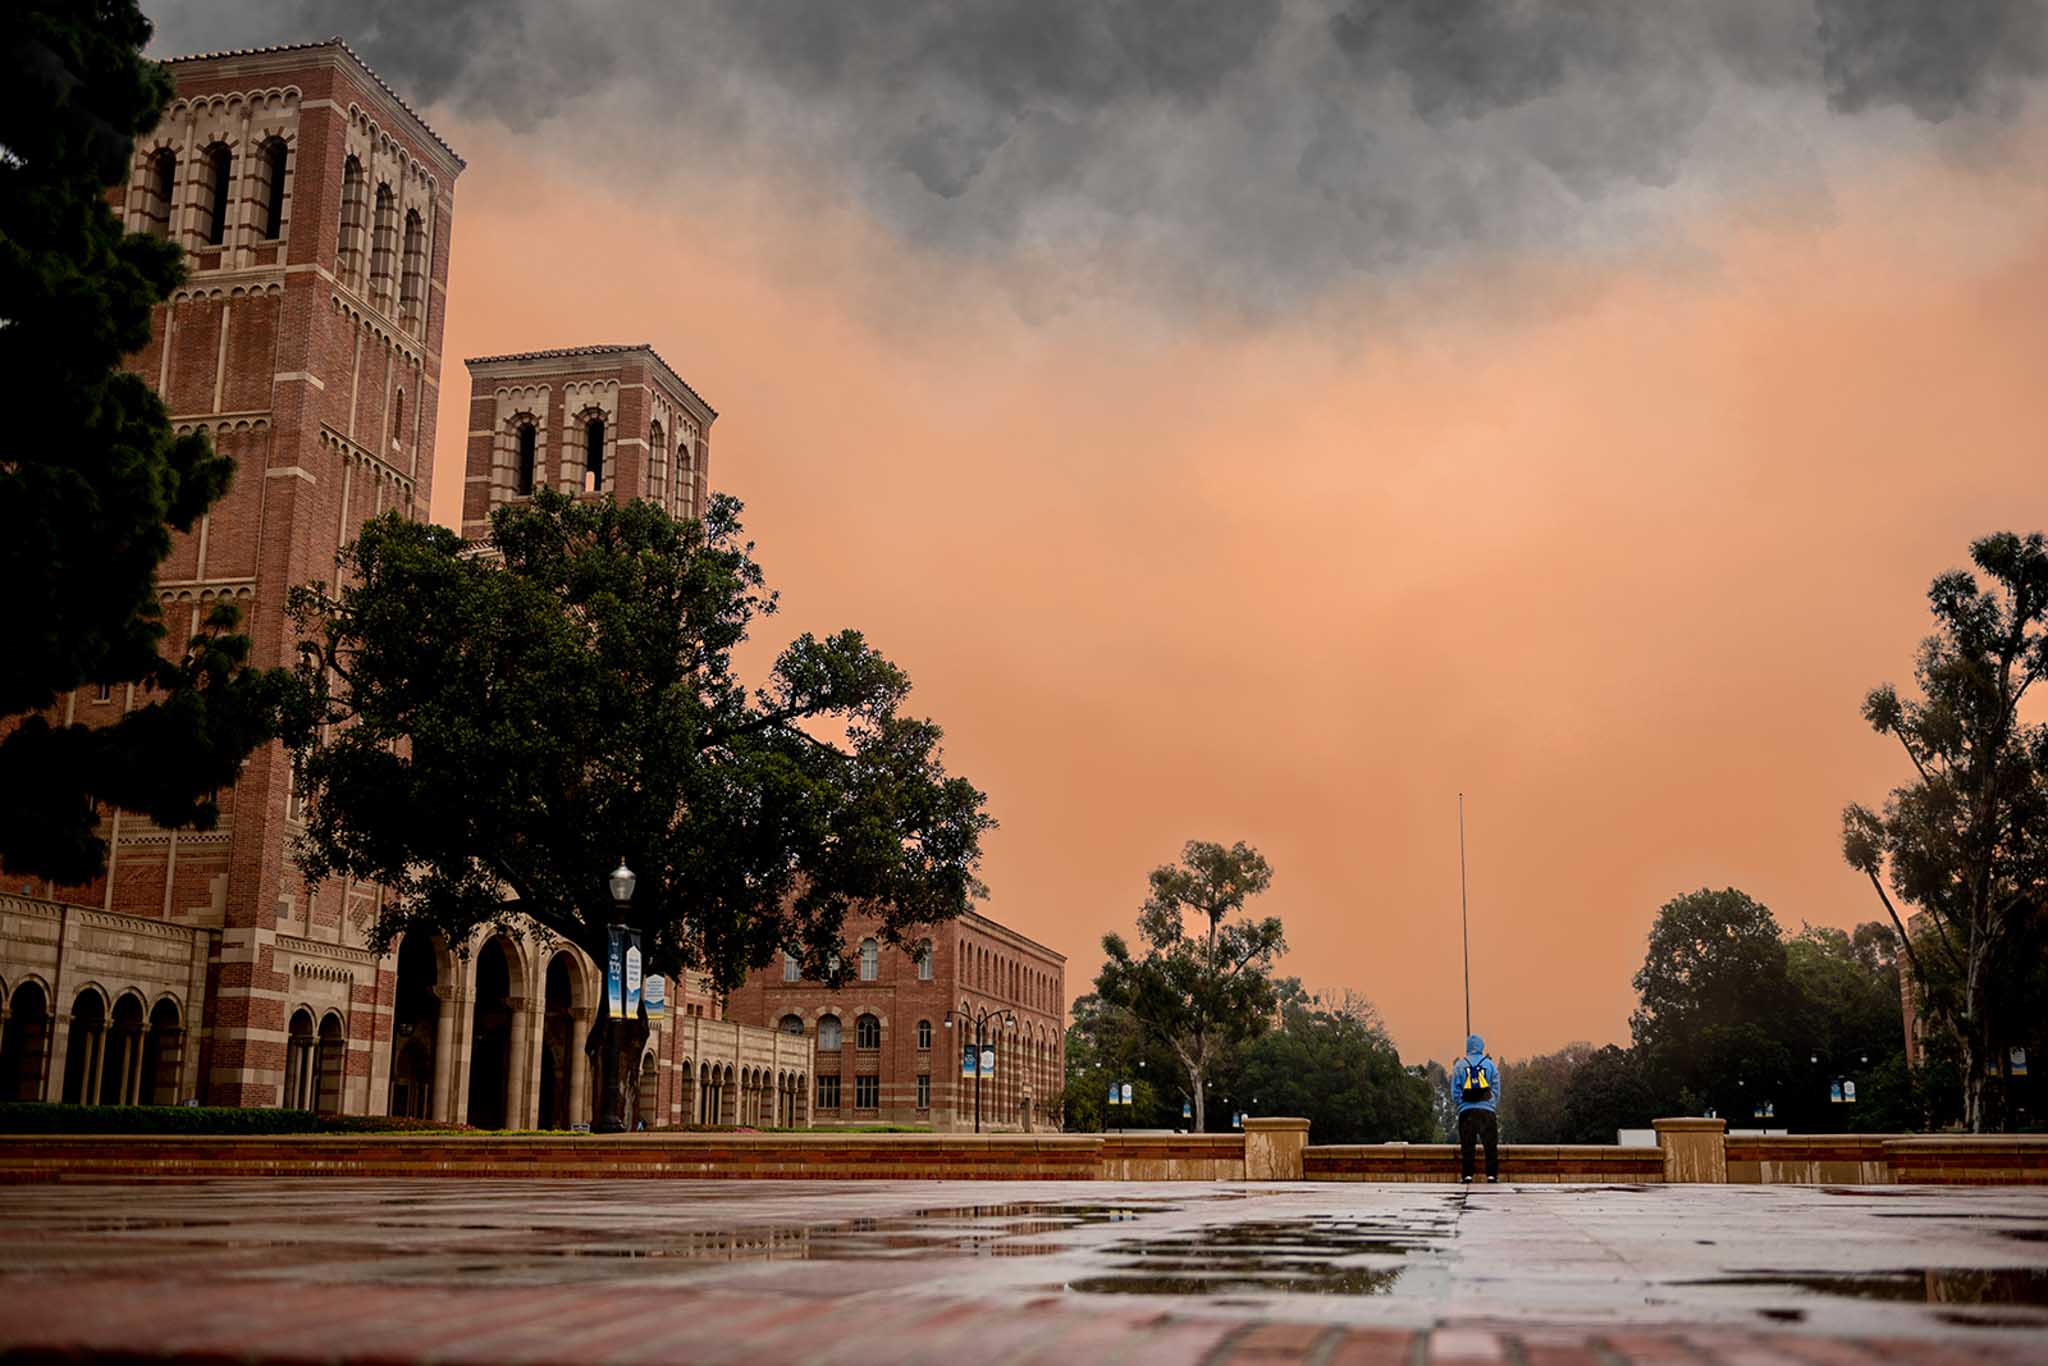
[[315, 208], [888, 1040]]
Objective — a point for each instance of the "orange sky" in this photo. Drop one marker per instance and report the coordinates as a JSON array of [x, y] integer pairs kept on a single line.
[[1614, 549]]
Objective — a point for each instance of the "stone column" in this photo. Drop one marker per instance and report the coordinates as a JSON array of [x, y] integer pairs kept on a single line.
[[1274, 1148], [1695, 1150], [579, 1065], [518, 1081], [440, 1105]]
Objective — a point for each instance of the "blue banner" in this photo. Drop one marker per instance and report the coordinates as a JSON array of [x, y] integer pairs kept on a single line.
[[615, 972]]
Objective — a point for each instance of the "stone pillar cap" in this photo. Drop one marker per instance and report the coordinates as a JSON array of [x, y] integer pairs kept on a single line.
[[1275, 1124], [1689, 1125]]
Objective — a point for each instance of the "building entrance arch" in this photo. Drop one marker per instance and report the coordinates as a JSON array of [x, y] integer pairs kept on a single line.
[[415, 1026], [490, 1049]]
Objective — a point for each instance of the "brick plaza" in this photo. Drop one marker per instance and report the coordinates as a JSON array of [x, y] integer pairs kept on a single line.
[[1024, 1272]]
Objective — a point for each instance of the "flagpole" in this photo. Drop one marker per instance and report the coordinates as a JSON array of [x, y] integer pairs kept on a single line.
[[1464, 925]]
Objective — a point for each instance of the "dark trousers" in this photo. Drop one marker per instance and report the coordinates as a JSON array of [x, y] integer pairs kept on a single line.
[[1478, 1126]]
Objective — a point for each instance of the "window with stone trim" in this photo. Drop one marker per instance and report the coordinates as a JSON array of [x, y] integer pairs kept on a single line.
[[593, 455], [867, 1093], [792, 1024], [657, 465], [828, 1092], [213, 218], [828, 1033], [924, 961], [384, 247], [398, 416], [524, 463], [412, 279], [870, 960], [686, 475], [924, 1035], [354, 217], [271, 160], [159, 191], [791, 970], [867, 1032], [924, 1090]]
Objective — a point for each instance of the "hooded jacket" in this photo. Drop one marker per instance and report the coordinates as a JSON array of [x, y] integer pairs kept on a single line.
[[1475, 1058]]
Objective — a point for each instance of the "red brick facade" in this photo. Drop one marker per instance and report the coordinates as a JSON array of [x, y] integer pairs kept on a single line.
[[976, 967]]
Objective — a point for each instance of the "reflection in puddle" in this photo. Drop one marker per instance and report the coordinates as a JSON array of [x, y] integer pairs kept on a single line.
[[1287, 1256], [2027, 1285]]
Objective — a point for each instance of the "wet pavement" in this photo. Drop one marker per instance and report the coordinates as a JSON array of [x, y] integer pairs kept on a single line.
[[839, 1271]]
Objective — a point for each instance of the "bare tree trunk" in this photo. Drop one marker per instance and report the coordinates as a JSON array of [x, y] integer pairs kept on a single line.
[[1195, 1077]]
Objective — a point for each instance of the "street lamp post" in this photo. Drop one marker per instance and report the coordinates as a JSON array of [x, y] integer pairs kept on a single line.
[[979, 1020], [612, 1067]]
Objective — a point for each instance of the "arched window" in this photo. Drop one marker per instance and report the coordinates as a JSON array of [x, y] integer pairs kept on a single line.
[[686, 477], [219, 166], [412, 281], [354, 211], [270, 168], [657, 464], [384, 246], [828, 1032], [924, 1035], [398, 416], [593, 455], [924, 961], [870, 960], [791, 1024], [159, 189], [523, 467], [867, 1032], [790, 970]]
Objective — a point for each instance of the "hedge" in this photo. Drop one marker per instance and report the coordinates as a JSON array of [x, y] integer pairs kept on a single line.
[[35, 1117]]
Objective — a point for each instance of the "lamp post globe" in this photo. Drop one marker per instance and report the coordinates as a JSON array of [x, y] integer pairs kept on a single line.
[[622, 883]]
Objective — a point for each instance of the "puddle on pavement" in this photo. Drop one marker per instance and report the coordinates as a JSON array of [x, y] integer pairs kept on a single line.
[[1284, 1256], [2027, 1285]]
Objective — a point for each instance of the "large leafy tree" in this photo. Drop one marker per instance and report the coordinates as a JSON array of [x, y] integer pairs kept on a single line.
[[488, 734], [1714, 1000], [1331, 1062], [92, 478], [1966, 841], [1202, 985]]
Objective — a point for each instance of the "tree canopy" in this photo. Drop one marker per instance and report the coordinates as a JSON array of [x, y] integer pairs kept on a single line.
[[1198, 994], [488, 734], [92, 478], [1966, 840]]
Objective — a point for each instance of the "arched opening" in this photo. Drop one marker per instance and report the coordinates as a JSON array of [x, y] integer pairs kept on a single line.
[[792, 1024], [924, 1036], [163, 1054], [330, 1064], [84, 1048], [657, 474], [160, 190], [728, 1095], [384, 247], [686, 479], [558, 1043], [271, 167], [354, 211], [121, 1076], [412, 280], [219, 170], [415, 1019], [490, 1055], [867, 1032], [301, 1069], [828, 1034], [870, 960], [646, 1093], [398, 415], [686, 1091], [25, 1044], [593, 455], [523, 464]]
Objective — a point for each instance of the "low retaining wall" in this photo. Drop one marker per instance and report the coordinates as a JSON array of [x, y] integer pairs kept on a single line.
[[1968, 1160], [116, 1157], [1808, 1159], [1172, 1157], [1518, 1162]]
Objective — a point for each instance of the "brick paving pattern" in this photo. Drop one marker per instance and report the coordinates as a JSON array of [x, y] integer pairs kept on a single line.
[[1021, 1272]]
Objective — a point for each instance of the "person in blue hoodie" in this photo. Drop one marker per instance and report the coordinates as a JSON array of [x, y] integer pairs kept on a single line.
[[1475, 1085]]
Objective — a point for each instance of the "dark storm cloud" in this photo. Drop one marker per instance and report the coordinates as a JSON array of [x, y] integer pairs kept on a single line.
[[1265, 148]]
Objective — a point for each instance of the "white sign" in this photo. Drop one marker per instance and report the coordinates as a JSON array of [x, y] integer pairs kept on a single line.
[[1127, 1093], [633, 979], [1848, 1091], [988, 1062]]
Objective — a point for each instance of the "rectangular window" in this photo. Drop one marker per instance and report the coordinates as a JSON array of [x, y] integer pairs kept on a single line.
[[867, 1093], [789, 973], [828, 1092], [104, 693], [924, 1091]]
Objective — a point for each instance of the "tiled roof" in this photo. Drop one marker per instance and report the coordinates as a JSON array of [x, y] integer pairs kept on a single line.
[[570, 352], [368, 70]]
